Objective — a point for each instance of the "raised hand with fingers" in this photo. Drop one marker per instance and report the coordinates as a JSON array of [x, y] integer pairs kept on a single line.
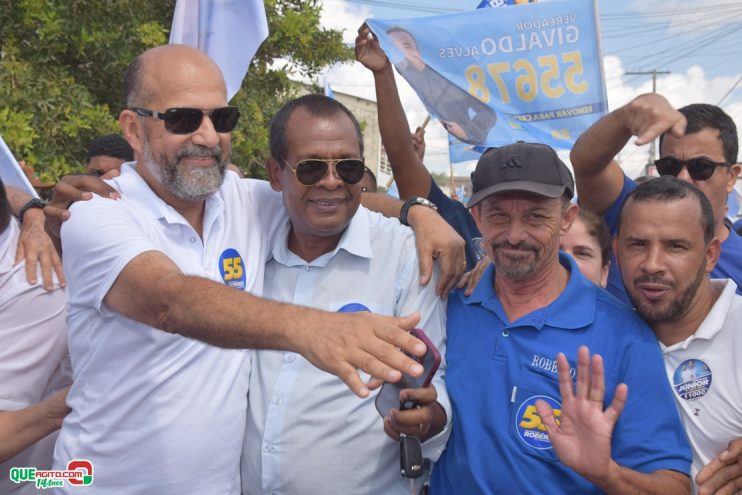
[[37, 248], [368, 50], [650, 115], [582, 436]]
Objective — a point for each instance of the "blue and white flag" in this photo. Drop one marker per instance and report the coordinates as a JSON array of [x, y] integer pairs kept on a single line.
[[496, 76], [228, 31], [11, 172], [328, 90]]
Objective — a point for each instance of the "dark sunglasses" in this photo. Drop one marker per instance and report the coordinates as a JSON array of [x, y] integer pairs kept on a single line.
[[313, 170], [188, 120], [698, 168]]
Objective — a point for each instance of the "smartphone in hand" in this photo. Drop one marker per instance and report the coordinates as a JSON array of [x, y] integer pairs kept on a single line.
[[388, 396]]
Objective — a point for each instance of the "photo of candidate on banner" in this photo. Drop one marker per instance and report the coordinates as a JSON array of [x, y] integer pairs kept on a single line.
[[496, 76], [499, 3]]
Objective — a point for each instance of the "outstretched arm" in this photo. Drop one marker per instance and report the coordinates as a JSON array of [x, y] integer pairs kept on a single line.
[[412, 178], [582, 436], [151, 289], [598, 176]]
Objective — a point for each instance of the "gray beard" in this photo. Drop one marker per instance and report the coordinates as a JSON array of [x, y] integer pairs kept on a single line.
[[185, 182]]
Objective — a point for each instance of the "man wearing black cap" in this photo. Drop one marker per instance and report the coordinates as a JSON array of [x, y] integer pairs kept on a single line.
[[518, 424]]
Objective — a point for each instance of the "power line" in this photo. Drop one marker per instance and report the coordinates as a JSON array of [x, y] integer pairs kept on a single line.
[[652, 149], [730, 91]]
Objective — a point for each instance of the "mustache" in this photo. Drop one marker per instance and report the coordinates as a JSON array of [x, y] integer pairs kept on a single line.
[[195, 151], [521, 246], [653, 279]]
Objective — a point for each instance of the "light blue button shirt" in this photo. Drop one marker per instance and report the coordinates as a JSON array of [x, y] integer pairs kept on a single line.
[[307, 433]]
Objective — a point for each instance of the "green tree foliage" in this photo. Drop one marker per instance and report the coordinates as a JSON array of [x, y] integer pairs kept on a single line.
[[62, 65]]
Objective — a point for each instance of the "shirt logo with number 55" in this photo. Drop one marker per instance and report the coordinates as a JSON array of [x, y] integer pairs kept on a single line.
[[232, 268], [528, 423]]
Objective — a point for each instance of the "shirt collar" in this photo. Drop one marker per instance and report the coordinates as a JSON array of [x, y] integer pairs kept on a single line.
[[573, 309], [134, 188], [356, 240], [714, 321]]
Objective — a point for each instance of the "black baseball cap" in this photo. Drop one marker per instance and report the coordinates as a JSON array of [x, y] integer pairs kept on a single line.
[[529, 167]]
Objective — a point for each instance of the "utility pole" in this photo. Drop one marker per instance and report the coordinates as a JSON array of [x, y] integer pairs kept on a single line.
[[652, 145]]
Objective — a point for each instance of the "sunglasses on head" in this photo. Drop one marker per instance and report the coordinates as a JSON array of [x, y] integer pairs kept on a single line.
[[188, 120], [698, 168], [313, 170]]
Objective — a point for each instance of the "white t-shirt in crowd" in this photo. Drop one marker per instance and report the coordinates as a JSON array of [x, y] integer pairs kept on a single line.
[[157, 412], [709, 398], [33, 351]]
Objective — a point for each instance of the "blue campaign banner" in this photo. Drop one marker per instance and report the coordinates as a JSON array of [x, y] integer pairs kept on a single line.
[[499, 3], [496, 76]]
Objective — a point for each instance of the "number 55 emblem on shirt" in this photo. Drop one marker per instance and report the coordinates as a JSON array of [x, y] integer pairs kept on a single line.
[[232, 268], [528, 422]]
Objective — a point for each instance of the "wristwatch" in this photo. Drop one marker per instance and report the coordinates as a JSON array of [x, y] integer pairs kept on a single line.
[[32, 203], [415, 200]]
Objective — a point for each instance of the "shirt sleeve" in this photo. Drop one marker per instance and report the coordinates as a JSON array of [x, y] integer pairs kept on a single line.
[[266, 207], [98, 240], [611, 214], [615, 283]]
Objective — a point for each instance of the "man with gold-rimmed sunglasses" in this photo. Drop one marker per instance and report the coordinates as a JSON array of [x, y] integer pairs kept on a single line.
[[332, 253], [698, 144]]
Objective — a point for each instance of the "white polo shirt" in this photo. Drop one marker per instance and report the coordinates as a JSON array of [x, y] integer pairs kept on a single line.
[[33, 351], [705, 373], [157, 412]]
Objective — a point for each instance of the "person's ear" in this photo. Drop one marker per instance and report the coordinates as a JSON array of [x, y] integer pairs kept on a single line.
[[569, 217], [476, 212], [274, 174], [132, 129], [734, 172], [713, 250]]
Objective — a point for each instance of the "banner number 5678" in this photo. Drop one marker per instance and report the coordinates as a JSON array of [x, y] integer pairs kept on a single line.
[[548, 78]]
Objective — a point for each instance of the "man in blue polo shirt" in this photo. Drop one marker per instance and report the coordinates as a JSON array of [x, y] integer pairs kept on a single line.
[[502, 346]]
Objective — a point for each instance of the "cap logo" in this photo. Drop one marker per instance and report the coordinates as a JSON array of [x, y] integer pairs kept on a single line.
[[511, 163]]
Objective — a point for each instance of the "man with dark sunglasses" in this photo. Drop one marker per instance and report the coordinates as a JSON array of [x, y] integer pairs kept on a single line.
[[334, 254], [698, 144], [157, 329]]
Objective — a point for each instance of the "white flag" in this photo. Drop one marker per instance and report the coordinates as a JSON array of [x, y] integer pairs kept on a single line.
[[228, 31], [11, 172]]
